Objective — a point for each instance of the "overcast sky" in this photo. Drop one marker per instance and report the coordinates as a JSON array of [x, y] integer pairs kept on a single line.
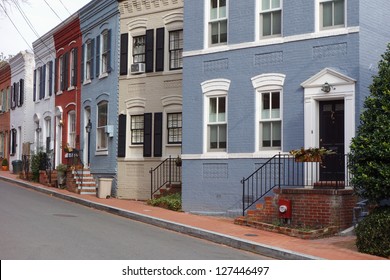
[[41, 17]]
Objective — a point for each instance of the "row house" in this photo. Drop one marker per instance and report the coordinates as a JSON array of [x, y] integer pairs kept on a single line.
[[21, 130], [150, 91], [99, 23], [67, 87], [43, 94], [5, 93], [263, 77]]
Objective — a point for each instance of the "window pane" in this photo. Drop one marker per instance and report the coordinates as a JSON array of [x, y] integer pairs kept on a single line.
[[214, 9], [221, 109], [339, 12], [222, 8], [277, 22], [102, 114], [214, 32], [265, 106], [327, 14], [222, 136], [265, 5], [213, 137], [276, 134], [266, 24], [275, 112], [213, 110], [223, 31], [275, 4], [266, 134]]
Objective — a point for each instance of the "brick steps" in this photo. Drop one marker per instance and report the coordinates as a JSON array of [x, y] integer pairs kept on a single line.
[[167, 190]]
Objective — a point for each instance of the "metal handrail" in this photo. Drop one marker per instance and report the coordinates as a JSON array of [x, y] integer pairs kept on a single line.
[[76, 161], [166, 173], [283, 170]]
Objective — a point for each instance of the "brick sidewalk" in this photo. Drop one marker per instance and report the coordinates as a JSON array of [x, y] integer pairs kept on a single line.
[[216, 229]]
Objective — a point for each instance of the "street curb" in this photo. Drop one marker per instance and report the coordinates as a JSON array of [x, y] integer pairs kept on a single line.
[[254, 247]]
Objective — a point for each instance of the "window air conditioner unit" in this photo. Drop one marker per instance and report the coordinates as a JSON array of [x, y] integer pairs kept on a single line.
[[109, 129], [137, 68]]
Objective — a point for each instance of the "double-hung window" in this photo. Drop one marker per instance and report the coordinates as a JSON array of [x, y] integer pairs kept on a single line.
[[139, 49], [72, 70], [137, 129], [217, 123], [72, 129], [105, 52], [218, 22], [174, 128], [271, 18], [102, 138], [270, 120], [332, 14], [176, 49], [88, 60], [61, 70]]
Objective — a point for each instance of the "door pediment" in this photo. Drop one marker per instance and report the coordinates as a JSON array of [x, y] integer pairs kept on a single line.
[[327, 75]]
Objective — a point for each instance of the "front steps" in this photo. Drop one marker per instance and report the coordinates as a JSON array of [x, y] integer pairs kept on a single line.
[[168, 189], [81, 181]]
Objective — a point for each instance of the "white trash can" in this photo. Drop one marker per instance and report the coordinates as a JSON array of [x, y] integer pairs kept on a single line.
[[104, 189]]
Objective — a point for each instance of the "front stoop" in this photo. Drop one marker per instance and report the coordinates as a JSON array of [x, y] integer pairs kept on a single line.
[[82, 182]]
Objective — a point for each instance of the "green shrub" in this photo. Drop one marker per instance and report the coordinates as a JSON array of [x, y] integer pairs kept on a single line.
[[373, 233], [171, 202], [38, 162]]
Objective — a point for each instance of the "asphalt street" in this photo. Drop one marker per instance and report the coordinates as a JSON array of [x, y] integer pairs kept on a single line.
[[38, 226]]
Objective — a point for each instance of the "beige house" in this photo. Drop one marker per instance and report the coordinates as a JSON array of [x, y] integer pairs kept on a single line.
[[150, 92]]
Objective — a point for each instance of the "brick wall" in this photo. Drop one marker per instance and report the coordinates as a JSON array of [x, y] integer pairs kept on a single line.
[[319, 208]]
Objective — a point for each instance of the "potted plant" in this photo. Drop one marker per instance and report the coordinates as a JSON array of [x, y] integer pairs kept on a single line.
[[178, 161], [310, 154], [4, 164], [61, 170]]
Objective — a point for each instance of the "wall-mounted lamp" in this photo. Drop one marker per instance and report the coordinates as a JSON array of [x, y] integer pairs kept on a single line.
[[327, 87], [38, 129], [60, 123], [88, 127]]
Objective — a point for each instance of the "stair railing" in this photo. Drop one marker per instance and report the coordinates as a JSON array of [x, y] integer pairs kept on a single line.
[[166, 173], [73, 161], [285, 171]]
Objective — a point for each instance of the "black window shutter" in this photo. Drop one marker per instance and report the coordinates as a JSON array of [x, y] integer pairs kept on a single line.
[[43, 81], [160, 32], [109, 51], [97, 56], [40, 82], [74, 78], [50, 78], [35, 85], [13, 141], [122, 136], [82, 63], [66, 73], [55, 75], [17, 94], [158, 134], [124, 54], [21, 98], [92, 57], [147, 134], [149, 42]]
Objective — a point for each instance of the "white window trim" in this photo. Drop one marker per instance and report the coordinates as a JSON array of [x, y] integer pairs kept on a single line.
[[136, 28], [134, 106], [97, 127], [258, 32], [318, 17], [85, 61], [267, 83], [214, 88], [172, 22], [207, 37], [171, 104], [102, 74]]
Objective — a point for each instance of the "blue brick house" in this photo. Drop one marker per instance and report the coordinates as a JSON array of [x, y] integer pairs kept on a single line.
[[263, 77], [99, 22]]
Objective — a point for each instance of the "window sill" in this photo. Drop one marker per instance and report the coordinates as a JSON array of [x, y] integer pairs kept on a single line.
[[59, 92], [101, 153], [86, 82], [71, 88], [173, 144], [103, 75]]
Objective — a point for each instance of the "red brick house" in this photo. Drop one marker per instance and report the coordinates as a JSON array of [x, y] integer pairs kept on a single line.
[[5, 91], [67, 41]]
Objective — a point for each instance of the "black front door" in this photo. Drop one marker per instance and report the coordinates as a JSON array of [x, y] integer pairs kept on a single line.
[[332, 138]]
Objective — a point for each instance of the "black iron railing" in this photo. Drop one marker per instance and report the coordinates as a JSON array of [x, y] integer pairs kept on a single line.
[[75, 163], [166, 173], [26, 166], [285, 171]]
